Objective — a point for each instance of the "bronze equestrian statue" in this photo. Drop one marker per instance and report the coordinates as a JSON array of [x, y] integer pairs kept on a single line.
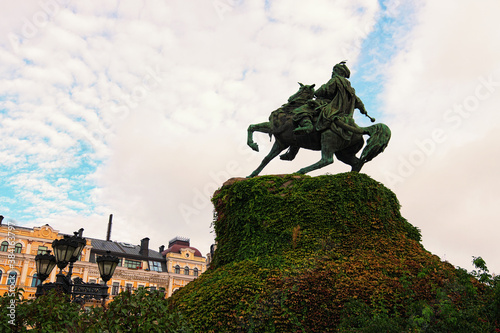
[[322, 120]]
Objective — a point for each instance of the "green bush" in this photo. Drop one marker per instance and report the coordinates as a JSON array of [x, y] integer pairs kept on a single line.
[[142, 311]]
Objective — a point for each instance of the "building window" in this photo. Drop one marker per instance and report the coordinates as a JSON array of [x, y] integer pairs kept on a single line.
[[186, 270], [152, 287], [155, 266], [115, 288], [11, 280], [18, 248], [128, 287], [177, 269], [132, 263], [92, 281], [35, 281], [5, 246], [195, 271], [1, 273], [42, 250]]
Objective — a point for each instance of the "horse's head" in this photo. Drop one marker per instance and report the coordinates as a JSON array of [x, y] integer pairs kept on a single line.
[[305, 92]]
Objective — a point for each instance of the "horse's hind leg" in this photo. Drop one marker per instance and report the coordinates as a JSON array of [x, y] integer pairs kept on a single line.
[[328, 147], [350, 159], [290, 154], [348, 156], [275, 151], [262, 127]]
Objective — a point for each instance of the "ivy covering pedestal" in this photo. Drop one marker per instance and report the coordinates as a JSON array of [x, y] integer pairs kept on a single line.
[[325, 254]]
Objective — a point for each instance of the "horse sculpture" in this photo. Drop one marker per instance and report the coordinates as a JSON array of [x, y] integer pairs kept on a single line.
[[281, 126]]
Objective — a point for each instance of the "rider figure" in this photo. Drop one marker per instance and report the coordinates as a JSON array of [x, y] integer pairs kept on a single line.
[[334, 99]]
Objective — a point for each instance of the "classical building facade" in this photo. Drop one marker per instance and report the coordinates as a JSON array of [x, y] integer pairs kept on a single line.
[[184, 263], [18, 248], [167, 269]]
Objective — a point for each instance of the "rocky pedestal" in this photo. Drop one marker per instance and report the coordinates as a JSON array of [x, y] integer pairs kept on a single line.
[[317, 254]]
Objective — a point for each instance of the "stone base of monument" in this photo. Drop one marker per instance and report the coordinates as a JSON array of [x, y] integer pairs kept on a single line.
[[317, 254]]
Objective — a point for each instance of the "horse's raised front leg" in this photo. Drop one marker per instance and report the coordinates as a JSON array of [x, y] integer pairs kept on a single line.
[[275, 151], [262, 127], [329, 145]]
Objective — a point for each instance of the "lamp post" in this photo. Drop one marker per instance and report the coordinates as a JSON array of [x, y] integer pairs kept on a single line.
[[80, 244], [45, 263], [107, 265], [63, 251], [66, 251]]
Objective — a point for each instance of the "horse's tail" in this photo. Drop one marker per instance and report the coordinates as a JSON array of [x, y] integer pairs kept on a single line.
[[380, 134]]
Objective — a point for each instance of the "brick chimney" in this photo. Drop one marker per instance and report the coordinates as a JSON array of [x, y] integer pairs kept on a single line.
[[162, 248], [144, 247]]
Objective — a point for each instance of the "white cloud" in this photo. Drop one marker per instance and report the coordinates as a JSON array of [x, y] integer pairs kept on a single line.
[[447, 81], [154, 99]]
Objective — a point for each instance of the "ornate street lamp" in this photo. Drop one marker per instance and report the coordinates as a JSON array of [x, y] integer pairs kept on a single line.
[[45, 263], [107, 265], [81, 242], [77, 237], [67, 250], [64, 250]]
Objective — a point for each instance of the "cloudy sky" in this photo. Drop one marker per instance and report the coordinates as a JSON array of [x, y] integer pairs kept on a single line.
[[139, 109]]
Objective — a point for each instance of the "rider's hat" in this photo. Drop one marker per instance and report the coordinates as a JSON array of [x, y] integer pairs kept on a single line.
[[342, 69]]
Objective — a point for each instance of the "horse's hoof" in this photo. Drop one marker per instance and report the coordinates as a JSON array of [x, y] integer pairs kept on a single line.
[[357, 167], [254, 146], [286, 157]]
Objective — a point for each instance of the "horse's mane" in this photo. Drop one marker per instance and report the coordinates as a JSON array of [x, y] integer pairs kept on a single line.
[[280, 116]]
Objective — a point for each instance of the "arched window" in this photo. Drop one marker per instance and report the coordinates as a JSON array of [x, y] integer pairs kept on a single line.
[[195, 271], [35, 281], [5, 246], [42, 250], [11, 279], [1, 276], [18, 248], [186, 270], [177, 269]]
